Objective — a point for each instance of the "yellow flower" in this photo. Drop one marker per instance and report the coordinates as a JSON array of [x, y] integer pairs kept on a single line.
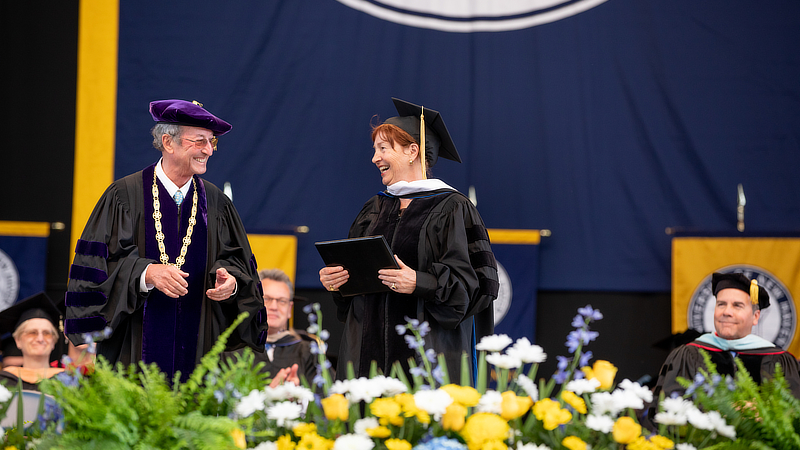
[[513, 406], [494, 445], [602, 371], [626, 430], [11, 447], [466, 395], [481, 427], [551, 414], [454, 417], [238, 438], [313, 441], [409, 407], [336, 406], [387, 410], [641, 443], [573, 400], [574, 443], [662, 442], [379, 432], [397, 444], [303, 428], [285, 443]]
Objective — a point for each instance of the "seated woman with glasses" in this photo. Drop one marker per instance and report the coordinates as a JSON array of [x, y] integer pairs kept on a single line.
[[33, 321], [285, 346]]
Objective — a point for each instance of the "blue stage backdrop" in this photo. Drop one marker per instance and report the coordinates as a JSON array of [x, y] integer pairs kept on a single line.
[[606, 122]]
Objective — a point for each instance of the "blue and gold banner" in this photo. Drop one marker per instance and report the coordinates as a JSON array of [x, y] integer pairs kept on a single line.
[[517, 255], [773, 261], [23, 260]]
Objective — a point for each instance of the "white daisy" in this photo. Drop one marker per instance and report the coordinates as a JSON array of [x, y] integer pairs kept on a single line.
[[528, 386], [283, 412], [266, 446], [362, 425], [531, 446], [491, 402], [640, 391], [527, 352], [353, 442], [503, 361], [494, 343], [434, 403], [250, 403], [583, 386], [601, 423]]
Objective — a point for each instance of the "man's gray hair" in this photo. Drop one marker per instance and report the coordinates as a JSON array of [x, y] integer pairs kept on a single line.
[[276, 275], [173, 130]]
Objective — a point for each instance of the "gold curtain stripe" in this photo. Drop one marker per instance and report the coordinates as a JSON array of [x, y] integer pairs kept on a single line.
[[96, 97], [506, 236], [30, 229]]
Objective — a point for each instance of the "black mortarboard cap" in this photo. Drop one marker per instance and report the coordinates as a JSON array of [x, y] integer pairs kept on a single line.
[[38, 306], [181, 112], [437, 139], [758, 294]]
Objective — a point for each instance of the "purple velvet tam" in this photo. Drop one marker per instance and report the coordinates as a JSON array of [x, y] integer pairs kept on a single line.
[[182, 112]]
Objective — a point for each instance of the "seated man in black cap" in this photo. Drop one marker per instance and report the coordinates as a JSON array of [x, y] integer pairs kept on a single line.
[[738, 308], [167, 275], [34, 322]]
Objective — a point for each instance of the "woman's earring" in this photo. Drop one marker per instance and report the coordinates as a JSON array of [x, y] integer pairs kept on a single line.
[[410, 162]]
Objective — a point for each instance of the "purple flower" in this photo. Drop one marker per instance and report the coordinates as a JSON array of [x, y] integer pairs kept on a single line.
[[588, 336], [730, 383], [413, 322], [573, 341], [430, 354], [417, 371], [424, 328], [561, 376], [401, 329], [307, 309], [312, 318], [563, 362], [68, 380], [578, 321], [412, 342], [438, 374], [324, 335], [584, 360], [588, 312], [219, 395], [319, 380]]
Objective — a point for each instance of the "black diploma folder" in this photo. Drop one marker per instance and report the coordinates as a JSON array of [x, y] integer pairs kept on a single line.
[[362, 258]]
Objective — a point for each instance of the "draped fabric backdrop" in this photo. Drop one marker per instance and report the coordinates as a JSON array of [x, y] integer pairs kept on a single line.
[[606, 126]]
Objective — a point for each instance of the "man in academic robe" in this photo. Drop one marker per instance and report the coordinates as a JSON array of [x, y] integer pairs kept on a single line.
[[164, 266], [739, 302]]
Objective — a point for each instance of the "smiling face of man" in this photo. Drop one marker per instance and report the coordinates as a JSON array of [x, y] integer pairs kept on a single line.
[[734, 317], [188, 154]]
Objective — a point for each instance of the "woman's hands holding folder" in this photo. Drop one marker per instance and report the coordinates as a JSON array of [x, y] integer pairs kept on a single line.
[[333, 277], [402, 280]]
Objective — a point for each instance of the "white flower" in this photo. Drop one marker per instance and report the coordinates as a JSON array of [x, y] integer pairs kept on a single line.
[[583, 386], [528, 386], [284, 411], [433, 402], [388, 386], [494, 343], [353, 442], [676, 405], [5, 394], [266, 446], [640, 391], [250, 403], [288, 391], [531, 446], [527, 352], [360, 389], [491, 402], [685, 447], [718, 422], [601, 423], [699, 420], [605, 403], [626, 398], [670, 418], [503, 361], [362, 425]]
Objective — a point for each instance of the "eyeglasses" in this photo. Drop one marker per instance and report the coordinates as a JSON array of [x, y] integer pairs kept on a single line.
[[281, 301], [203, 142], [32, 334]]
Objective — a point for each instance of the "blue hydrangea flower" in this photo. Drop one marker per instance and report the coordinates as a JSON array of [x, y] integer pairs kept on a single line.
[[424, 329], [441, 443], [587, 311], [307, 309], [412, 341], [438, 374], [430, 354], [578, 321], [401, 329], [413, 322], [417, 371], [584, 359]]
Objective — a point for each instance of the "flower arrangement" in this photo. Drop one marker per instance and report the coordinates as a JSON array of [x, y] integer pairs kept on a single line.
[[228, 404]]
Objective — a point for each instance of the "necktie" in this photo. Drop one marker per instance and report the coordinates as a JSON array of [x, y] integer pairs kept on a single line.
[[178, 197]]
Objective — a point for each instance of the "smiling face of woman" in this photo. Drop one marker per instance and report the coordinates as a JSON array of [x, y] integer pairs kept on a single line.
[[395, 155], [37, 338]]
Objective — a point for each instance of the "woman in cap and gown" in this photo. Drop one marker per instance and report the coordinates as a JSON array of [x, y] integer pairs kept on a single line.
[[447, 273]]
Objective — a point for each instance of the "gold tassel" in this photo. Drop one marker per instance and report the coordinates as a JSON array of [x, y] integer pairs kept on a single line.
[[754, 292], [422, 143]]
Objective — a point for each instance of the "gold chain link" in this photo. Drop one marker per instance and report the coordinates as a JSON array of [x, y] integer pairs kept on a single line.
[[160, 234]]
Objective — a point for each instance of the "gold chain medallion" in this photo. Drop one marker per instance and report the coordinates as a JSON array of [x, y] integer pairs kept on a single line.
[[160, 234]]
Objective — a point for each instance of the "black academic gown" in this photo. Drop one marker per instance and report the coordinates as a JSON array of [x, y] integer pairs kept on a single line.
[[686, 359], [117, 244], [442, 237]]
